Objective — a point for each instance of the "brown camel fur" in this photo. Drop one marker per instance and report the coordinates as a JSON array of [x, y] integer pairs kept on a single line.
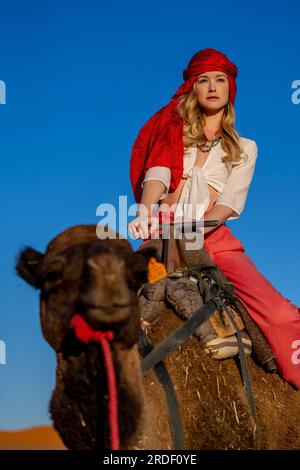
[[79, 273]]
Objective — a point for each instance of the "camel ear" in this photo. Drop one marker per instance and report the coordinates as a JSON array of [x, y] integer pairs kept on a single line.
[[28, 266]]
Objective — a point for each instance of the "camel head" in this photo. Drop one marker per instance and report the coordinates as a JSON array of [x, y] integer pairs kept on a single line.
[[97, 279], [79, 273]]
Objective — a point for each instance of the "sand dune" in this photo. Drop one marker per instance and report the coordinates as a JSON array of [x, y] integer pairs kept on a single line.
[[37, 438]]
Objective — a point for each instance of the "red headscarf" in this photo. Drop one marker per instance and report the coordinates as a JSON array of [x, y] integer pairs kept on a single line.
[[160, 140]]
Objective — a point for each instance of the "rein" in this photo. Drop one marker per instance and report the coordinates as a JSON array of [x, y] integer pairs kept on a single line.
[[145, 347], [86, 334]]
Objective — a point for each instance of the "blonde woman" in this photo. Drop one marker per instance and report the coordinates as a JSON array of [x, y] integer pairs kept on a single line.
[[190, 153]]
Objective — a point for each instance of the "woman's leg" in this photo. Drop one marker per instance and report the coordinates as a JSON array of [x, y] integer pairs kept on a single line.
[[275, 315]]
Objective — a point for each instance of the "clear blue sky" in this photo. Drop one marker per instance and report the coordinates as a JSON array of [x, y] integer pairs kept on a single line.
[[81, 78]]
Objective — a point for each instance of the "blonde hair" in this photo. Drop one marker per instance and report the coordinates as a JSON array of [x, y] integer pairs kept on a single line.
[[190, 112]]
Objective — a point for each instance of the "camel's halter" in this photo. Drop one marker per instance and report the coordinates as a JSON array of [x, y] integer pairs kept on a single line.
[[214, 297], [86, 334]]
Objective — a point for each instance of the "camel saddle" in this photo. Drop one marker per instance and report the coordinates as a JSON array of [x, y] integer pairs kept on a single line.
[[176, 259]]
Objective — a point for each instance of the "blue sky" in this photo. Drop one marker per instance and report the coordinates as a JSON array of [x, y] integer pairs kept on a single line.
[[81, 79]]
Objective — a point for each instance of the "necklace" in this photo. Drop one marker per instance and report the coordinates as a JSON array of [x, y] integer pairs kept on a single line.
[[208, 144]]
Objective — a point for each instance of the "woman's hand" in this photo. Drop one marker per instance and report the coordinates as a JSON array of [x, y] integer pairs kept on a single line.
[[147, 214], [143, 226]]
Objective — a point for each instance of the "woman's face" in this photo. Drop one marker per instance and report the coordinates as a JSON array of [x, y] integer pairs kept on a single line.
[[210, 84]]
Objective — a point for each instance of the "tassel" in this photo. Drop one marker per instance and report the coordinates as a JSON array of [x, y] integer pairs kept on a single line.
[[156, 271]]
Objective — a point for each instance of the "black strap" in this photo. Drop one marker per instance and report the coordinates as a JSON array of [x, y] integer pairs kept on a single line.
[[210, 288], [178, 336], [145, 347], [214, 297], [245, 376]]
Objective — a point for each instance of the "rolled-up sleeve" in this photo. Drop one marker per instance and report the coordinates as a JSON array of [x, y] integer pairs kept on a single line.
[[159, 173], [235, 192]]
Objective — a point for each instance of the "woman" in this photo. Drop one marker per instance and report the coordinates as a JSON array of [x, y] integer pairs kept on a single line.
[[189, 152]]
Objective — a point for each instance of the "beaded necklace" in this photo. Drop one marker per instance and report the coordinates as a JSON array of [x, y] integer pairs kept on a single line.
[[208, 144]]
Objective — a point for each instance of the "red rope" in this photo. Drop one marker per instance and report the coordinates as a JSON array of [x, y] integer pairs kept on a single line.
[[85, 334]]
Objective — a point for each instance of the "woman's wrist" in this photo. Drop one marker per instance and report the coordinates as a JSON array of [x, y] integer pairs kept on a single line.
[[146, 210]]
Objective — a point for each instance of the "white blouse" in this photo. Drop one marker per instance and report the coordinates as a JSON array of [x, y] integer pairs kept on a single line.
[[232, 181]]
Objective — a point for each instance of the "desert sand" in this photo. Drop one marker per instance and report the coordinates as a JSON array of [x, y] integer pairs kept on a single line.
[[36, 438]]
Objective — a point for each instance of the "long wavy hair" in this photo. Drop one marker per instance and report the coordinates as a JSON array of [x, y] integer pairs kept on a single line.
[[193, 133]]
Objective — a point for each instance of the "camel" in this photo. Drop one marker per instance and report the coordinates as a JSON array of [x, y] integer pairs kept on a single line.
[[99, 279]]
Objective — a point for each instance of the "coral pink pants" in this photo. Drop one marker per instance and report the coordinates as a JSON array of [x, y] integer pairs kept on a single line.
[[275, 315]]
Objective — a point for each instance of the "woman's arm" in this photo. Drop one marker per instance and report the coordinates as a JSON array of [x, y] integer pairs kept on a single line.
[[152, 191], [219, 212]]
